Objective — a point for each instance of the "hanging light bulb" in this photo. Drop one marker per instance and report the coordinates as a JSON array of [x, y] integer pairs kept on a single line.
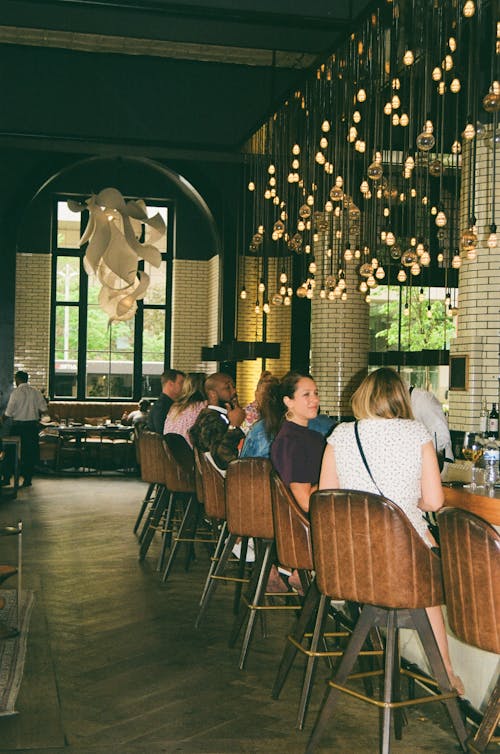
[[320, 158], [429, 312], [395, 119], [469, 9], [415, 269], [456, 147], [468, 240], [406, 310], [361, 95], [456, 262], [380, 273], [257, 307], [436, 74], [343, 296], [323, 142], [408, 57], [491, 101], [348, 255], [395, 102], [287, 301], [492, 238], [295, 149], [472, 255], [421, 295], [368, 298], [425, 259], [455, 86], [441, 219], [469, 132], [440, 257], [452, 44], [447, 63], [375, 170], [356, 116], [441, 88], [390, 238], [251, 186], [277, 299], [243, 293], [425, 140], [266, 308], [262, 286], [402, 276], [325, 126]]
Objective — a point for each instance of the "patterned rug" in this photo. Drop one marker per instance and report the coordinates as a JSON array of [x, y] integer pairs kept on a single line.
[[13, 651]]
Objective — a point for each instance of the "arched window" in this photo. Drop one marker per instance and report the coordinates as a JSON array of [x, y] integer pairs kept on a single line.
[[89, 357]]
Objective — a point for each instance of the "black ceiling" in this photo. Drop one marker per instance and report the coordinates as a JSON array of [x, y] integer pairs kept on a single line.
[[155, 75]]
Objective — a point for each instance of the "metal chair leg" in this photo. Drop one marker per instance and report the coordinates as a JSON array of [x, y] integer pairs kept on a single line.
[[147, 500]]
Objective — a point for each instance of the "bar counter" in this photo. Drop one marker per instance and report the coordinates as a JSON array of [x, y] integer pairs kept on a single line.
[[478, 669], [477, 502]]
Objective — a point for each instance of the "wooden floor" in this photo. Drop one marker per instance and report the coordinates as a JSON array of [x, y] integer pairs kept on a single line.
[[114, 663]]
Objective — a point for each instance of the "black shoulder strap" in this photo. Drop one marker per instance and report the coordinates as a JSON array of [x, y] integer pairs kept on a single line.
[[363, 458]]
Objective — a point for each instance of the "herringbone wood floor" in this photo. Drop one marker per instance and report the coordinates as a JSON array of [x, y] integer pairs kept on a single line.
[[114, 663]]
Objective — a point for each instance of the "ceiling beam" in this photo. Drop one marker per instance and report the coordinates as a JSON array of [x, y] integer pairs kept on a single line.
[[107, 43]]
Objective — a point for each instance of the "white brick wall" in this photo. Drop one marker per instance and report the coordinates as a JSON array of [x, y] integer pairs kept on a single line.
[[478, 332], [195, 313], [32, 325]]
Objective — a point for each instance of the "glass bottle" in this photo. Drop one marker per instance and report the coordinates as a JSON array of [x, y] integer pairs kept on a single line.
[[493, 422], [483, 419]]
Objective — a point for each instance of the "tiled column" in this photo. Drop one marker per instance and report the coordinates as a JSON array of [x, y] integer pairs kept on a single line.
[[478, 331], [340, 344]]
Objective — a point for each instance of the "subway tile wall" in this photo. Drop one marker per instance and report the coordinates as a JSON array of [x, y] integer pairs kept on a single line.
[[32, 312]]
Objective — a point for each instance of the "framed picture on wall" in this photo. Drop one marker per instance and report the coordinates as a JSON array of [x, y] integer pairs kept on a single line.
[[459, 372]]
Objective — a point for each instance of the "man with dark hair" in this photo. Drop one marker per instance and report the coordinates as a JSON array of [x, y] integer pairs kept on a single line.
[[24, 408], [217, 429], [172, 381]]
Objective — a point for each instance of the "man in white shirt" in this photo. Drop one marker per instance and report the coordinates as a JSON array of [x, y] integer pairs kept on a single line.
[[427, 409], [24, 408]]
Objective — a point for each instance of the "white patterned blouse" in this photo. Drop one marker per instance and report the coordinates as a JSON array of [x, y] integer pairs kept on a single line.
[[393, 450]]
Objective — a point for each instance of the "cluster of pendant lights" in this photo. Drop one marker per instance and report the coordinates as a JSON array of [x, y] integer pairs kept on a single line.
[[369, 170]]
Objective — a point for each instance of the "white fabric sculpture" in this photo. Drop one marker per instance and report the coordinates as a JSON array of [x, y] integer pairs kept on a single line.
[[114, 249]]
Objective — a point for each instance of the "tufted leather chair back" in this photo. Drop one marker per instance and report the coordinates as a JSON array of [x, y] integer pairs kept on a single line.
[[291, 527], [178, 464], [366, 550], [248, 498], [213, 488], [152, 458], [470, 553]]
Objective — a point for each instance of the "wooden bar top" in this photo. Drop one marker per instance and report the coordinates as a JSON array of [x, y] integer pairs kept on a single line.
[[480, 504]]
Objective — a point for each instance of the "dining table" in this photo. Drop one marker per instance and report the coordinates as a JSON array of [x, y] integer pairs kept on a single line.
[[96, 446]]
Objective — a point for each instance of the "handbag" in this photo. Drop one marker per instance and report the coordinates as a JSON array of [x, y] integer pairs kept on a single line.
[[430, 518]]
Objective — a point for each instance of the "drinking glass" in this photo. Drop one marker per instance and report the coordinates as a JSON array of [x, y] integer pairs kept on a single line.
[[472, 450]]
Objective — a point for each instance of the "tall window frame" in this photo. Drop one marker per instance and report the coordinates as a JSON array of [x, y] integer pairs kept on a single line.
[[72, 307]]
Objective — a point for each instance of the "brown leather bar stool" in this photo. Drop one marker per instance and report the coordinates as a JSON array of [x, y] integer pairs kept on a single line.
[[148, 474], [470, 554], [153, 472], [366, 550], [213, 491], [249, 514], [180, 481], [293, 544]]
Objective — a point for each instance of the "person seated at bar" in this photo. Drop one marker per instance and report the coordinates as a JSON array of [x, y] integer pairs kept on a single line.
[[258, 440], [185, 410], [387, 452], [172, 381], [217, 430], [296, 451], [138, 416], [253, 409]]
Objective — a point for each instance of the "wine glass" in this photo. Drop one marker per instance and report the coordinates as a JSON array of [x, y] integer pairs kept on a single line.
[[472, 450]]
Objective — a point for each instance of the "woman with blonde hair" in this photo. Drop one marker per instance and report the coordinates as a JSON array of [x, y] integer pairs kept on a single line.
[[184, 411], [387, 452]]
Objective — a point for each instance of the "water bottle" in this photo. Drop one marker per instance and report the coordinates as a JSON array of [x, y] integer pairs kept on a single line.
[[490, 458]]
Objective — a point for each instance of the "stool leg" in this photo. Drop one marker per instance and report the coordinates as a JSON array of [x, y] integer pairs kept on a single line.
[[390, 650], [311, 603], [241, 575], [257, 599], [363, 625], [219, 570], [319, 628], [182, 529], [426, 634], [19, 571], [152, 521], [214, 559], [144, 505], [489, 722]]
